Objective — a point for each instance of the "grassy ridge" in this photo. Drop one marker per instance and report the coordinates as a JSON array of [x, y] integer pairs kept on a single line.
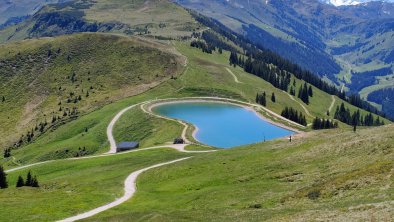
[[160, 19], [47, 78], [328, 173]]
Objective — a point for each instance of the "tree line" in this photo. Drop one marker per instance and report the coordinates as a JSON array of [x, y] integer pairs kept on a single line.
[[319, 123], [278, 78], [31, 180], [356, 119], [263, 56], [262, 100], [294, 115]]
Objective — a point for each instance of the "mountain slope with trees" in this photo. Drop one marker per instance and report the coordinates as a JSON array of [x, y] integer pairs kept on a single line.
[[48, 82], [337, 43]]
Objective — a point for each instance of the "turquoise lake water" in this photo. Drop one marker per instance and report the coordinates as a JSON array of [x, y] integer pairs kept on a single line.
[[223, 125]]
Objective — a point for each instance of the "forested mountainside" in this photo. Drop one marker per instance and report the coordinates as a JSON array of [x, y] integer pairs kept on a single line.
[[343, 44]]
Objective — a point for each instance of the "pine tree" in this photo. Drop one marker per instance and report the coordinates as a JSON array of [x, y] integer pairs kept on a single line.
[[3, 178], [260, 99], [264, 100], [310, 91], [7, 152], [20, 182], [233, 58], [273, 99], [29, 179], [3, 99], [34, 182]]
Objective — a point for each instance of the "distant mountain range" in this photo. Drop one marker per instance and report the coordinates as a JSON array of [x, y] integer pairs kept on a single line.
[[350, 2], [13, 11]]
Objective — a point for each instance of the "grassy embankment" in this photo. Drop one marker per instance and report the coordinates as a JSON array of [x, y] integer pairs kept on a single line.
[[327, 175]]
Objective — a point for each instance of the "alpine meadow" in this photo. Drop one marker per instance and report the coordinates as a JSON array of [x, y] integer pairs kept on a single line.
[[179, 110]]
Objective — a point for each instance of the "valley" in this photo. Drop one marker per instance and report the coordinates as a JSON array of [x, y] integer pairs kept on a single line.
[[80, 77], [349, 44]]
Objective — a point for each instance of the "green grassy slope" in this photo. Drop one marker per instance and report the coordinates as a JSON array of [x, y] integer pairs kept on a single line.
[[49, 78], [19, 8], [157, 18], [327, 175], [205, 75], [72, 186]]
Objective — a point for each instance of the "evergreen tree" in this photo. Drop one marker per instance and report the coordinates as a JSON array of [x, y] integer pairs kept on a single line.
[[292, 91], [273, 99], [34, 182], [293, 115], [233, 58], [310, 91], [261, 99], [323, 124], [20, 182], [3, 178], [7, 152], [3, 99], [29, 179]]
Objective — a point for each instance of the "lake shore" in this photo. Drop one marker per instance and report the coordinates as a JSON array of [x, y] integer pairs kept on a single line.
[[247, 106]]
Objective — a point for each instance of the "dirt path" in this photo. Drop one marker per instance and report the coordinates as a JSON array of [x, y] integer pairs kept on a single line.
[[184, 131], [234, 76], [332, 103], [246, 105], [303, 107], [130, 182], [111, 125], [129, 188]]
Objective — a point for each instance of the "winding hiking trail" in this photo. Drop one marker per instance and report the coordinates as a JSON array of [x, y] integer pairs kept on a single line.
[[234, 76], [303, 107], [111, 125], [130, 182], [129, 188], [332, 103]]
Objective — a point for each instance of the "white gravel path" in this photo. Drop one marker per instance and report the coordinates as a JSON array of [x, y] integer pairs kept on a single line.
[[129, 188]]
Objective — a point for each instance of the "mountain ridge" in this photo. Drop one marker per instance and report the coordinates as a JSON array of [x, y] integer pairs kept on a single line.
[[352, 2]]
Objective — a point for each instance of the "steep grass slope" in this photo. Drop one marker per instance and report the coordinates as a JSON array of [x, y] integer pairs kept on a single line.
[[50, 81]]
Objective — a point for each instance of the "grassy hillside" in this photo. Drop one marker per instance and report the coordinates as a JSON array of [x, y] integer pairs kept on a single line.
[[73, 185], [334, 174], [57, 80], [327, 175], [11, 11], [157, 18], [205, 75]]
